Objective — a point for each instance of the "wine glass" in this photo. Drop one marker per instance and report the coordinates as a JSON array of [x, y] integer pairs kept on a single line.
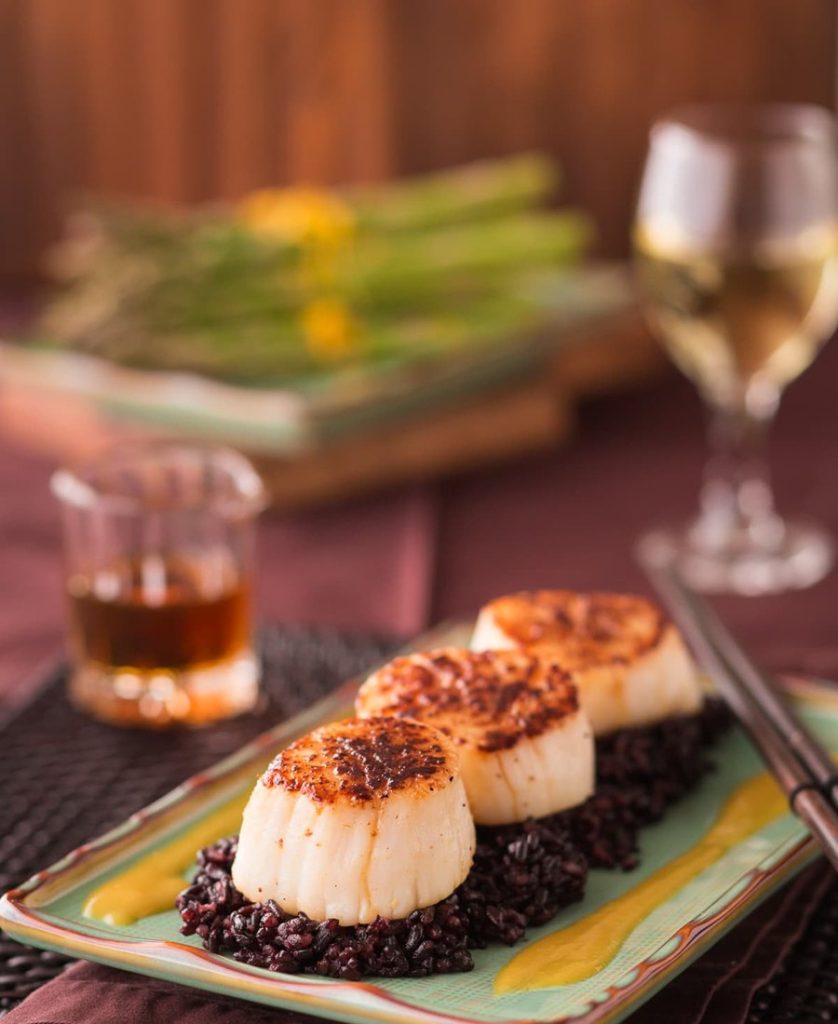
[[736, 250]]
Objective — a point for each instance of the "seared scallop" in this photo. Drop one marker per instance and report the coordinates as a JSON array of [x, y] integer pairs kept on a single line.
[[629, 662], [525, 745], [360, 818]]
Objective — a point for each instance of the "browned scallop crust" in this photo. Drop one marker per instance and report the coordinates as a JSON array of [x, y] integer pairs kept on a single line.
[[364, 759], [585, 629], [486, 699]]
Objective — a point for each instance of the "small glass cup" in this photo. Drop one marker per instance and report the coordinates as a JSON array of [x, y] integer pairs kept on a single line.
[[158, 541]]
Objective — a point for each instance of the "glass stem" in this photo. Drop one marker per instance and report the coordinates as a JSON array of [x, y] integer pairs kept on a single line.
[[737, 501]]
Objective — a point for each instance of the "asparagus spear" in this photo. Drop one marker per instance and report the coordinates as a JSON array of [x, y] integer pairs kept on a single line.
[[432, 265], [484, 189]]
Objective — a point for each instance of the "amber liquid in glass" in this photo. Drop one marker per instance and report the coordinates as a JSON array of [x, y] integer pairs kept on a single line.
[[155, 621]]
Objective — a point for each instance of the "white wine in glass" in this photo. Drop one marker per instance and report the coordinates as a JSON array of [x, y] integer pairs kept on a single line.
[[736, 245]]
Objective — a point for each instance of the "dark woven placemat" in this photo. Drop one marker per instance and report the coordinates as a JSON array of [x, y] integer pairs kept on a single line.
[[65, 778], [804, 990]]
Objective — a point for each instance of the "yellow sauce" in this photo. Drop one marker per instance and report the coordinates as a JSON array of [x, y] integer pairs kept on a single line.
[[152, 884], [588, 945]]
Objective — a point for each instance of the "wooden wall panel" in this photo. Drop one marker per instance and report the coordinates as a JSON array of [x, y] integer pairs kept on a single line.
[[184, 100], [22, 187], [249, 124], [585, 79]]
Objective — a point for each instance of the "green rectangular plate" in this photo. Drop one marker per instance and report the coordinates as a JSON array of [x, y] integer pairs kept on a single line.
[[47, 910]]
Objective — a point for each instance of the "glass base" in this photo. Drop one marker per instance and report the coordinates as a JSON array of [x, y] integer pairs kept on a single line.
[[800, 555], [163, 697]]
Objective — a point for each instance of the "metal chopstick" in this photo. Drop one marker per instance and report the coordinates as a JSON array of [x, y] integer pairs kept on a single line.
[[760, 686], [798, 761]]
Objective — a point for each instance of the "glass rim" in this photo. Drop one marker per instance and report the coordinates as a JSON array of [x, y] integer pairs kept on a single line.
[[749, 124], [75, 484]]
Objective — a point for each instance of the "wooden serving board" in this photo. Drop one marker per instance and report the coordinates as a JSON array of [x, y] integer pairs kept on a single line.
[[517, 419]]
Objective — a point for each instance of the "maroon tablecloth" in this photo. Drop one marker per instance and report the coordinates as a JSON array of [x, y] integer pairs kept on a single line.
[[402, 560]]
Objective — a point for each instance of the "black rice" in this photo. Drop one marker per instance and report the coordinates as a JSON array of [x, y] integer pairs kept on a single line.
[[429, 941], [641, 772], [522, 874]]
